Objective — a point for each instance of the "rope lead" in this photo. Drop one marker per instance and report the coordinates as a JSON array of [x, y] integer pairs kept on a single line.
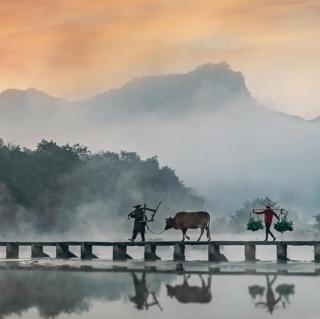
[[151, 231]]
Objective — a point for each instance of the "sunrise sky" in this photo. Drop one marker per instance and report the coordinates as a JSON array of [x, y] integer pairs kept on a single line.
[[77, 48]]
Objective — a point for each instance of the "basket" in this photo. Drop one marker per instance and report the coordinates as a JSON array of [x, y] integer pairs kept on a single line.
[[254, 224], [283, 225]]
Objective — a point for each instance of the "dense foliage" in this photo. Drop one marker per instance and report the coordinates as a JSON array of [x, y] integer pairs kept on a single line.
[[283, 225], [255, 224], [54, 186]]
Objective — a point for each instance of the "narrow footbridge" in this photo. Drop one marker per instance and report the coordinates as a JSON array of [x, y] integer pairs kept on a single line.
[[150, 249]]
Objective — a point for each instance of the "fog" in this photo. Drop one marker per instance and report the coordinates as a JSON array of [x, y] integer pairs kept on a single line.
[[204, 124]]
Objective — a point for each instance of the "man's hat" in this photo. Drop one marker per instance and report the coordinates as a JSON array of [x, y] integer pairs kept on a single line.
[[137, 206], [268, 206]]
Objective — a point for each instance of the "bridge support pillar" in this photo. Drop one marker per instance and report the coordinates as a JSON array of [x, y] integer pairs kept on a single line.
[[179, 252], [214, 253], [12, 251], [86, 251], [250, 252], [120, 252], [317, 252], [282, 255], [150, 252], [37, 251], [63, 252]]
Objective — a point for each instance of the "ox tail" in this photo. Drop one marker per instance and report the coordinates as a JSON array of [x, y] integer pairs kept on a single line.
[[208, 227]]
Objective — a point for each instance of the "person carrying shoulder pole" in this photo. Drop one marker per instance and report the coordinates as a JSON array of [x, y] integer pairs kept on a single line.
[[141, 219], [268, 216], [139, 222]]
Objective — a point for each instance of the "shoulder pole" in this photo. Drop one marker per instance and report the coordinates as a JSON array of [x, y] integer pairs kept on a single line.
[[152, 217]]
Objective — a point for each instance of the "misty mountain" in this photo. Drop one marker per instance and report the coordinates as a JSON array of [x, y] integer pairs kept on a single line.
[[316, 119], [204, 123], [26, 103], [171, 95]]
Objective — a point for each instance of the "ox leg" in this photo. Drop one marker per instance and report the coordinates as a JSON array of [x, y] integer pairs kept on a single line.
[[202, 231], [208, 233], [185, 279], [209, 281], [183, 234], [203, 284]]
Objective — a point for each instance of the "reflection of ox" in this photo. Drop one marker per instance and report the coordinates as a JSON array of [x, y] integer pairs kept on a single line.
[[191, 294], [184, 221]]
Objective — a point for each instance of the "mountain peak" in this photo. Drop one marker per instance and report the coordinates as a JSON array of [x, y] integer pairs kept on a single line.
[[208, 87], [209, 67], [29, 93], [220, 76]]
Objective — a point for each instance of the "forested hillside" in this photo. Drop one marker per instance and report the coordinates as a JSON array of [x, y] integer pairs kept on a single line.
[[55, 188]]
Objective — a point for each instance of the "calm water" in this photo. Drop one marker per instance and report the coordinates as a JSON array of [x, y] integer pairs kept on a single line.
[[101, 289]]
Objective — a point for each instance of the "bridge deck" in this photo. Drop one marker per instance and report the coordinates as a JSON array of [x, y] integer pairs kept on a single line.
[[164, 243], [120, 248]]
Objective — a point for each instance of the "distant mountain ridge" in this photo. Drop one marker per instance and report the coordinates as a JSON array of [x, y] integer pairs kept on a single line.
[[14, 96], [216, 81], [156, 93]]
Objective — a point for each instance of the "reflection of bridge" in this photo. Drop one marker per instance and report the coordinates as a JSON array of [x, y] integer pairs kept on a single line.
[[67, 289], [214, 271], [120, 249]]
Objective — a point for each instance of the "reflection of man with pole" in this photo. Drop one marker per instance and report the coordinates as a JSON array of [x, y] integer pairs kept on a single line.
[[271, 301], [284, 291], [142, 293], [140, 220]]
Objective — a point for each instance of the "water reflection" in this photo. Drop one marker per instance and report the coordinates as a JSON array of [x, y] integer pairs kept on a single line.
[[142, 293], [272, 299], [54, 292], [185, 293]]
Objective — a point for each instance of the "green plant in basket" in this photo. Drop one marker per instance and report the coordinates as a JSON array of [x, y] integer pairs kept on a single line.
[[254, 224], [284, 224]]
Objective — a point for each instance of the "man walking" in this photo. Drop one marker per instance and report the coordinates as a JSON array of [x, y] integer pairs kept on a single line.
[[268, 216], [139, 222]]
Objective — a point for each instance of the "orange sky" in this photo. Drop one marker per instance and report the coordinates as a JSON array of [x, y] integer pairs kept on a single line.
[[76, 48]]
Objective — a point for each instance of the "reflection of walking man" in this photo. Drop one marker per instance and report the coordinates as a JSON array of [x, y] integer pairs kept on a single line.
[[141, 290], [271, 301], [142, 293], [268, 216], [139, 222]]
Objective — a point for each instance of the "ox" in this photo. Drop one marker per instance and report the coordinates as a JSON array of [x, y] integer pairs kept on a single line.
[[192, 220], [191, 294]]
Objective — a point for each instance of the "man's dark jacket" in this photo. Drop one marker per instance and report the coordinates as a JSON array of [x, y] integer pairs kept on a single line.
[[139, 225]]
